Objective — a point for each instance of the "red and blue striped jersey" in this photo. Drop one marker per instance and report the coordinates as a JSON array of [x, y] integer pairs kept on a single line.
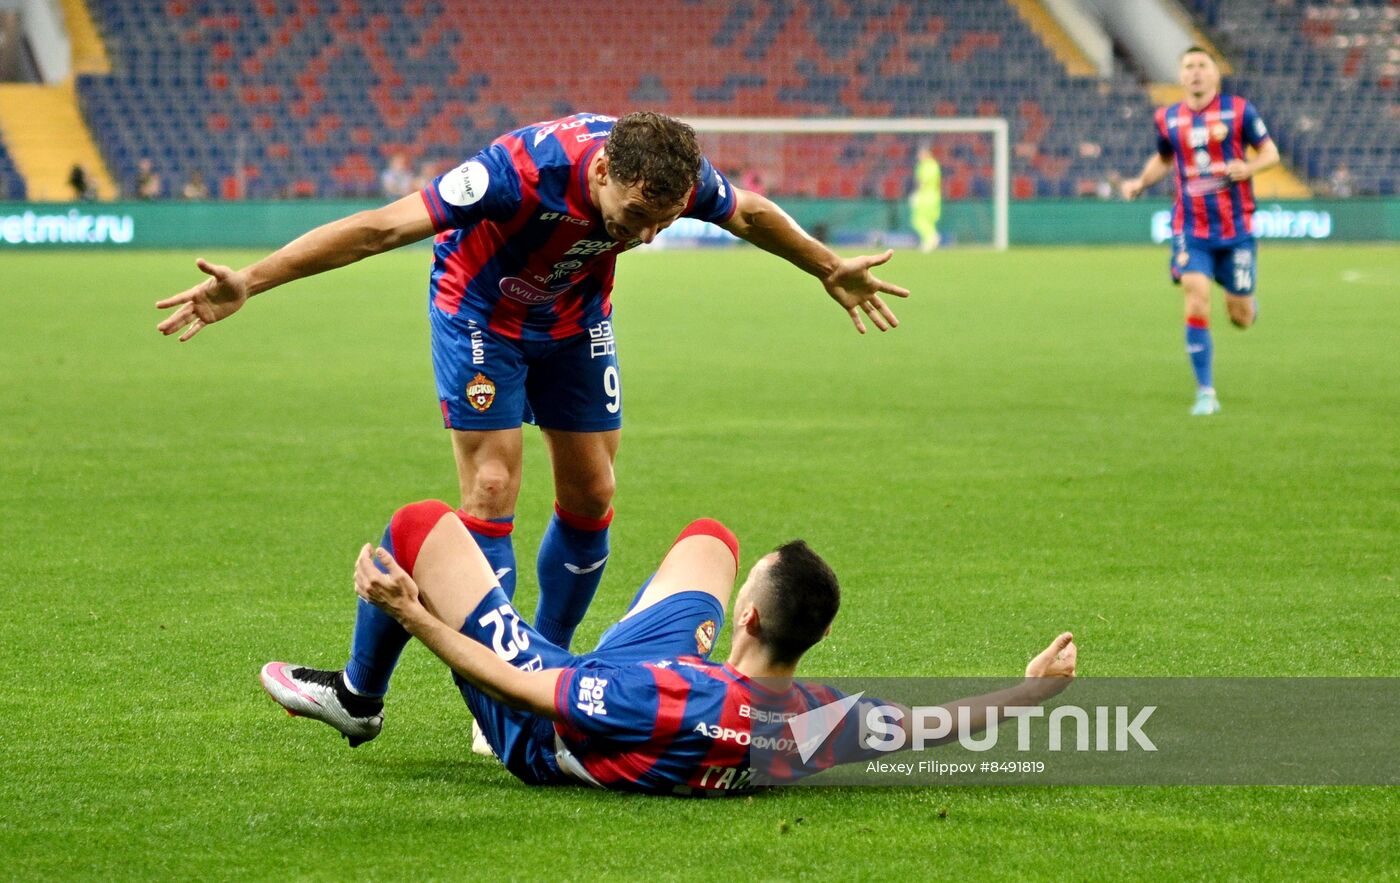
[[520, 247], [692, 727], [1208, 206]]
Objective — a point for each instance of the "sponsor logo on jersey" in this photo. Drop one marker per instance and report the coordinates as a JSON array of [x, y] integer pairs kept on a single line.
[[1205, 186], [464, 185], [592, 247], [566, 218], [705, 637], [481, 392], [520, 291], [591, 692], [478, 346]]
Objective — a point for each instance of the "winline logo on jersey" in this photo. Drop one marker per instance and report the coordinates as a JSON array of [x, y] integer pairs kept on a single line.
[[1111, 731]]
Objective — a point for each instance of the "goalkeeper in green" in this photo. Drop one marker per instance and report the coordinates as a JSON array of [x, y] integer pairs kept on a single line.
[[926, 203]]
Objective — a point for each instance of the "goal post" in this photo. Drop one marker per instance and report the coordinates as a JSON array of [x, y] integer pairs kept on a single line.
[[996, 127]]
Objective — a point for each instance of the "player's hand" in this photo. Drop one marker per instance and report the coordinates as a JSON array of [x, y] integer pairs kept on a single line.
[[854, 287], [1131, 188], [1053, 668], [394, 592], [1238, 170], [218, 297]]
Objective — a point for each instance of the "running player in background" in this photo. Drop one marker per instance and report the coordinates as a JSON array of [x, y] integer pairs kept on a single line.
[[527, 236], [1204, 137], [646, 710]]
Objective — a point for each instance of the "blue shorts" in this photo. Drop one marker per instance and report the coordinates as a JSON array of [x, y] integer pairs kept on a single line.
[[1232, 265], [684, 624], [487, 381]]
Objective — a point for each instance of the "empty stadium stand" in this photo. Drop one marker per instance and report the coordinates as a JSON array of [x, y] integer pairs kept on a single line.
[[11, 184], [270, 97], [282, 98], [1326, 77]]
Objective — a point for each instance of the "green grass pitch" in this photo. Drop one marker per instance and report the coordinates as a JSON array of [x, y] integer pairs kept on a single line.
[[1015, 460]]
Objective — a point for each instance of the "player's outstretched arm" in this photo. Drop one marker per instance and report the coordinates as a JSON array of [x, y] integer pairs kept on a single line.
[[1047, 675], [329, 246], [848, 281], [396, 593], [1154, 170]]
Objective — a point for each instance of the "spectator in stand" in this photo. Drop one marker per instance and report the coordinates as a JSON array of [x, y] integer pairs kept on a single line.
[[1341, 183], [753, 181], [82, 187], [426, 173], [195, 188], [148, 183], [397, 178]]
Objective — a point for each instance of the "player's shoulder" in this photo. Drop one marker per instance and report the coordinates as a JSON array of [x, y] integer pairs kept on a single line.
[[560, 141]]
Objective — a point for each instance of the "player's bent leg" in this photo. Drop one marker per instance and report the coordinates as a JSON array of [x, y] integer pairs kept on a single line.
[[430, 542], [1241, 308], [574, 549], [489, 466], [680, 610], [452, 573], [704, 558]]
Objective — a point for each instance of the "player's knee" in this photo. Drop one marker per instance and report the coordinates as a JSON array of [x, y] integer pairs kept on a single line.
[[410, 526], [492, 488], [710, 527], [590, 496]]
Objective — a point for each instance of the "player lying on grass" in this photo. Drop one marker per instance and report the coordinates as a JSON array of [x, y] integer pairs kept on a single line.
[[519, 305], [646, 710], [1204, 138]]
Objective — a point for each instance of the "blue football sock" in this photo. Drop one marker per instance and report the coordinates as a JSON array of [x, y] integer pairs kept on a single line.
[[1198, 347], [377, 642], [492, 536], [570, 566]]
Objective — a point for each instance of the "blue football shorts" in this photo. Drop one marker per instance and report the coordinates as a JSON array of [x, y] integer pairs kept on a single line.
[[683, 624], [487, 381], [1232, 265]]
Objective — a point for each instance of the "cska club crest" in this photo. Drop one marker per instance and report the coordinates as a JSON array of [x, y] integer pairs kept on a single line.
[[1219, 131], [705, 637], [481, 392]]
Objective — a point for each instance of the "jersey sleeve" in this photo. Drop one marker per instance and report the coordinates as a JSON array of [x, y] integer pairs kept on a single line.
[[1164, 142], [485, 187], [713, 199], [1253, 128], [615, 704]]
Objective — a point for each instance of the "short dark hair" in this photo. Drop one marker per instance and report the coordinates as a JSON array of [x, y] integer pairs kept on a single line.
[[1201, 49], [659, 152], [798, 603]]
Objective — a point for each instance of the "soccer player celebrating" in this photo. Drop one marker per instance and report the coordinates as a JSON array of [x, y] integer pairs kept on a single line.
[[1204, 137], [527, 236], [646, 710]]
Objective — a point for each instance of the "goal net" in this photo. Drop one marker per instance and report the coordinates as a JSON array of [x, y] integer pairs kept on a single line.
[[849, 180]]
